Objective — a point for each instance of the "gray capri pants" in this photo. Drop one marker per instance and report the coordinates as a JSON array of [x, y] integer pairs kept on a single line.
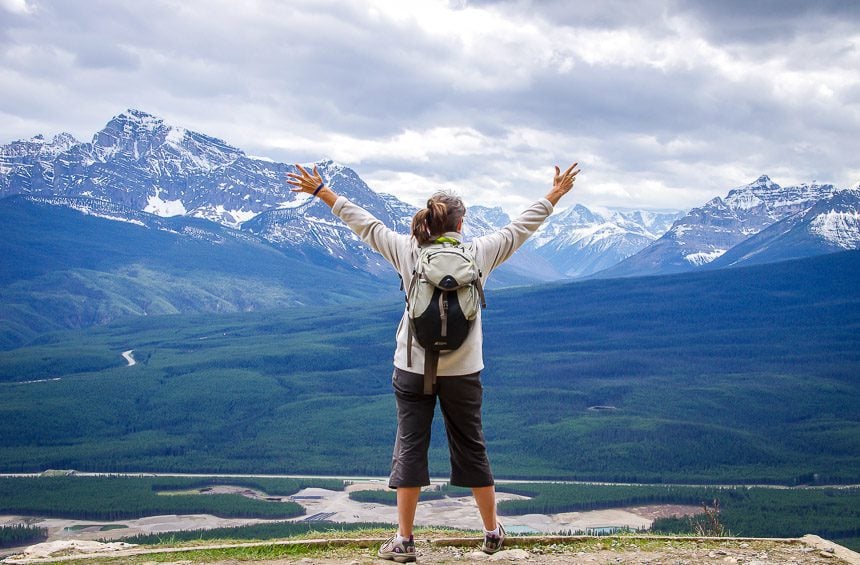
[[460, 400]]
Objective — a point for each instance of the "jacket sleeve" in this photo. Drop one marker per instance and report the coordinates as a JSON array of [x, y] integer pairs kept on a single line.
[[388, 243], [496, 248]]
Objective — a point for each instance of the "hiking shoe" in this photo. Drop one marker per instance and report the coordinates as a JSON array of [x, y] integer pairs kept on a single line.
[[493, 543], [402, 552]]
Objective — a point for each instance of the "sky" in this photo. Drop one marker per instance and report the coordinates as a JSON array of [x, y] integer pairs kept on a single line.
[[664, 103]]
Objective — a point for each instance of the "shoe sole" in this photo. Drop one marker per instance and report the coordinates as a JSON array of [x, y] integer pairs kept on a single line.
[[398, 557]]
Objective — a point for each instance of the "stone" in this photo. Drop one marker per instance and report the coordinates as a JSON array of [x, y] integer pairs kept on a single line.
[[510, 555]]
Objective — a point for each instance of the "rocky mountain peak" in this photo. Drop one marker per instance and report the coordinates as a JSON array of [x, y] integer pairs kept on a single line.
[[39, 146], [140, 136]]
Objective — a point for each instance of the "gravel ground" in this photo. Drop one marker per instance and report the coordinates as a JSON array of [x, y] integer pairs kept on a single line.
[[614, 552]]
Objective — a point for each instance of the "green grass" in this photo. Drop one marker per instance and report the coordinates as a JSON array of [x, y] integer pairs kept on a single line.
[[364, 546]]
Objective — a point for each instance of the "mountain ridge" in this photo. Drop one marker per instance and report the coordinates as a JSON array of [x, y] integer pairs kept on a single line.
[[141, 162], [145, 164], [707, 232]]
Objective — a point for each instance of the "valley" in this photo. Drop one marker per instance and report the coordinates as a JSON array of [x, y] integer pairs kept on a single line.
[[325, 506], [150, 509]]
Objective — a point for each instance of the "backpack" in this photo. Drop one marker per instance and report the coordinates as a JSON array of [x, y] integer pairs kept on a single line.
[[443, 300]]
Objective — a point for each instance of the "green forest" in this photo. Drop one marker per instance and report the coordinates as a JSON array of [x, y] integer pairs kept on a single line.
[[389, 496], [833, 513], [117, 498], [270, 530], [13, 536], [737, 376]]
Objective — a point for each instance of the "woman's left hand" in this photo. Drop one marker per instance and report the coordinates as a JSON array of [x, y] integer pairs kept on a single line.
[[562, 183]]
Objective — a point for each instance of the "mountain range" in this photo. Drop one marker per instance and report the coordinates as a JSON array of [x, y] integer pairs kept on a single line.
[[759, 216], [154, 202], [146, 165]]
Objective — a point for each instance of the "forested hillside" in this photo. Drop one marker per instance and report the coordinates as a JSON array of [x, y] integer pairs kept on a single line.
[[741, 375]]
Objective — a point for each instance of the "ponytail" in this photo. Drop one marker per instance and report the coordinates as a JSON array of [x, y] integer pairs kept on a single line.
[[443, 212]]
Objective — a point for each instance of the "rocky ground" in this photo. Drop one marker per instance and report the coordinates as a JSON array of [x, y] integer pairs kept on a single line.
[[606, 550]]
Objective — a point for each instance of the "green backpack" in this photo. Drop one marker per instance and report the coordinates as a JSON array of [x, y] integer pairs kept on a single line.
[[443, 300]]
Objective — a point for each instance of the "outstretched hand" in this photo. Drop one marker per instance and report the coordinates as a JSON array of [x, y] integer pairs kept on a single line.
[[311, 183], [305, 182], [562, 183]]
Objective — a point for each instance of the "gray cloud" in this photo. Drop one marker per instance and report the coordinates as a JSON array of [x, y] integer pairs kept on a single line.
[[668, 102], [771, 21]]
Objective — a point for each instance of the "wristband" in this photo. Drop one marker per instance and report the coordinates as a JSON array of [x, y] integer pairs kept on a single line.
[[322, 184]]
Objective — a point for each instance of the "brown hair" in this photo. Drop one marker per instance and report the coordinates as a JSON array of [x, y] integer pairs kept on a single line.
[[443, 212]]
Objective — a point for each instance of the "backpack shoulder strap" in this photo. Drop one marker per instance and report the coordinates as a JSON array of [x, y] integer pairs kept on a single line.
[[480, 288]]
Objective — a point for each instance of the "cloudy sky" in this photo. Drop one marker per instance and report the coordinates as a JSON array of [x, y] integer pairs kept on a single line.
[[664, 103]]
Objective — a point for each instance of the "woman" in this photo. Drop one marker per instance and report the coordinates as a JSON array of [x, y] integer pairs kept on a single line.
[[458, 384]]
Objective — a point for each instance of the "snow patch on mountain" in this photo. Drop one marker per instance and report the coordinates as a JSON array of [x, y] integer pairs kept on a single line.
[[218, 213], [97, 209], [164, 208], [839, 228], [301, 199], [702, 257]]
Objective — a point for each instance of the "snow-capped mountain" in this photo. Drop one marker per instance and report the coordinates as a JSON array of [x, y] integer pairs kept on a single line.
[[655, 222], [707, 232], [580, 241], [307, 226], [828, 226], [142, 163], [30, 163]]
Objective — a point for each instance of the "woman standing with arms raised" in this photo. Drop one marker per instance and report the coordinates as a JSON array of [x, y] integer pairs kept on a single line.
[[458, 384]]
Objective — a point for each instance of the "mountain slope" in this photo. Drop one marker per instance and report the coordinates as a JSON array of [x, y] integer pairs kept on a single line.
[[734, 375], [110, 261], [707, 232], [829, 226], [580, 241]]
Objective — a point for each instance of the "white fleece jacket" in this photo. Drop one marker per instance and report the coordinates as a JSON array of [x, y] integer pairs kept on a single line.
[[401, 250]]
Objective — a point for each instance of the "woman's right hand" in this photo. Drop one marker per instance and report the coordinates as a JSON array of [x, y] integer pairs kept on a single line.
[[311, 183], [562, 183]]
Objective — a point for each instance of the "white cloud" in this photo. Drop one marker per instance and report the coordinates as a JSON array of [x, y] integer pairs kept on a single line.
[[19, 7]]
